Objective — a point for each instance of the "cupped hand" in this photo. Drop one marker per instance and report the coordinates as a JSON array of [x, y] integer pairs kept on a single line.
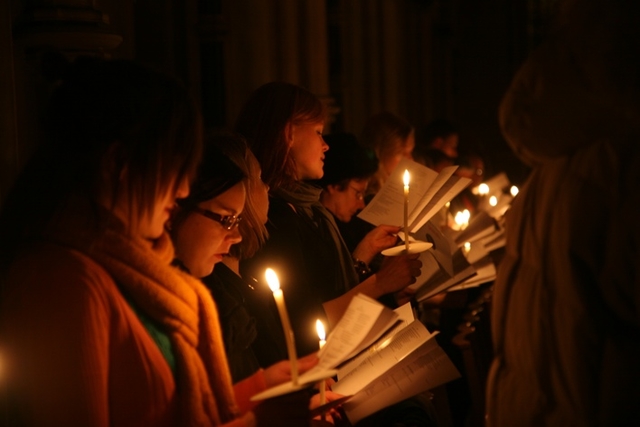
[[380, 238], [398, 272], [280, 372]]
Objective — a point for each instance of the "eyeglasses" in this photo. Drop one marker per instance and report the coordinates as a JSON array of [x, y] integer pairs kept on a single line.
[[229, 222], [359, 194]]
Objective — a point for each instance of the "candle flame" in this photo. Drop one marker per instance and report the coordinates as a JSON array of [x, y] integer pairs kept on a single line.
[[272, 280], [405, 177], [483, 189], [514, 190], [493, 201], [320, 329], [462, 218], [467, 247]]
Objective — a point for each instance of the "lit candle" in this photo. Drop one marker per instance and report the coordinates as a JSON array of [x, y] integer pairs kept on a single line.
[[405, 179], [274, 284], [514, 190], [483, 189], [321, 336], [467, 247], [321, 333], [462, 219], [493, 200]]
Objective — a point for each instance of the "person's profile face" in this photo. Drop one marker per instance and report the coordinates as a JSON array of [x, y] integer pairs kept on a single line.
[[202, 242], [307, 149], [346, 202]]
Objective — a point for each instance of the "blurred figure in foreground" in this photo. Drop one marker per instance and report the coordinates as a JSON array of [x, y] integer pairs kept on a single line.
[[566, 322]]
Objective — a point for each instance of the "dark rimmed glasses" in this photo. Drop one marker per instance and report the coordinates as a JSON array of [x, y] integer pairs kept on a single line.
[[229, 222], [359, 194]]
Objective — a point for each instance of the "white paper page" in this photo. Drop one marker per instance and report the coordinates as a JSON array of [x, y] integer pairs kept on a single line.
[[440, 180], [482, 224], [493, 242], [429, 369], [483, 275], [387, 206], [441, 281], [430, 267], [405, 315], [503, 203], [451, 189], [476, 252], [387, 319], [434, 290], [360, 316], [401, 346], [497, 183], [442, 250]]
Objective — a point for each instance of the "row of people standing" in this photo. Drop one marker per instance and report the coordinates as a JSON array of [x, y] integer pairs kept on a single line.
[[99, 326], [103, 318]]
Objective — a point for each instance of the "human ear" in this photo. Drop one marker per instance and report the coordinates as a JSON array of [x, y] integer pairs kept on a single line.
[[333, 189], [288, 133]]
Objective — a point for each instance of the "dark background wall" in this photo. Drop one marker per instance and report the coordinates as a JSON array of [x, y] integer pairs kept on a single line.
[[421, 59]]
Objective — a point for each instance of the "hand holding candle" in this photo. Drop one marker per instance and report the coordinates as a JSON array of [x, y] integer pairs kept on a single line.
[[274, 284], [405, 179]]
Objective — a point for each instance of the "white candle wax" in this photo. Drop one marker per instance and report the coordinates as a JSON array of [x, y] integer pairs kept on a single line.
[[405, 179], [278, 296]]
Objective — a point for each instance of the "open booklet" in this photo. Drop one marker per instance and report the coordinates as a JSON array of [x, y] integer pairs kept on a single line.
[[401, 364], [429, 191], [372, 345], [364, 322], [457, 261], [444, 266]]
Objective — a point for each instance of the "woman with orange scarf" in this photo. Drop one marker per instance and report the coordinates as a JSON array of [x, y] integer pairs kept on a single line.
[[97, 328]]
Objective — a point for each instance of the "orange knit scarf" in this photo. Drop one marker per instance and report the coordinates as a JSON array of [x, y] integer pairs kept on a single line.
[[179, 302]]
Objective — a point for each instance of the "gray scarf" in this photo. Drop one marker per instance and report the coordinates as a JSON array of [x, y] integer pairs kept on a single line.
[[306, 199]]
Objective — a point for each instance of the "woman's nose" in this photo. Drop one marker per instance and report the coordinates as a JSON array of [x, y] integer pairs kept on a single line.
[[235, 235]]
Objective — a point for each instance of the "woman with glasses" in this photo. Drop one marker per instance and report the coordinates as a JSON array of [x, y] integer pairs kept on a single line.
[[348, 167], [205, 227], [97, 328]]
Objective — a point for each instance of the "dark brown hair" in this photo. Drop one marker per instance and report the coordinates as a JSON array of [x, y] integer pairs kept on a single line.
[[263, 121], [253, 231], [106, 120]]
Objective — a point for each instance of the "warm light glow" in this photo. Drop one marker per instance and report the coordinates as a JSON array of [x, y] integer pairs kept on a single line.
[[320, 329], [447, 205], [493, 200], [483, 189], [462, 218], [272, 280], [467, 247], [405, 178], [514, 190]]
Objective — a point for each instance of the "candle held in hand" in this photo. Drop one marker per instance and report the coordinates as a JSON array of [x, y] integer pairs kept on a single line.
[[274, 284], [405, 179]]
